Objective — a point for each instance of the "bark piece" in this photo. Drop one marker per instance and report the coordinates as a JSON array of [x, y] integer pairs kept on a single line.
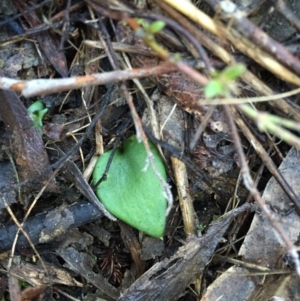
[[26, 142]]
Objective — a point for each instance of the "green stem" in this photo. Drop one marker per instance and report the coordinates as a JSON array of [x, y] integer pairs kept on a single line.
[[267, 122]]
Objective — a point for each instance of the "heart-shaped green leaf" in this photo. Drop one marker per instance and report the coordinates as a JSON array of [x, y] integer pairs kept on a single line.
[[131, 193]]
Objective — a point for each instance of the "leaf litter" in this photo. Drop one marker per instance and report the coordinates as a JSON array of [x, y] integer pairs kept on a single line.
[[203, 247]]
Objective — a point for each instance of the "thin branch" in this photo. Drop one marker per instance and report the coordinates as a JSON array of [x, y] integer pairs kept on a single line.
[[48, 86]]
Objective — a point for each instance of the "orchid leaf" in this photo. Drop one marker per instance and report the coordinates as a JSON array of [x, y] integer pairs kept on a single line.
[[132, 191]]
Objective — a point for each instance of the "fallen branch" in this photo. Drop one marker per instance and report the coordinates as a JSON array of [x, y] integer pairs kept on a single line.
[[43, 228], [48, 86]]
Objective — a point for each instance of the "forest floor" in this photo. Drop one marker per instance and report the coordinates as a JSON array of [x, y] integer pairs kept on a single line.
[[193, 110]]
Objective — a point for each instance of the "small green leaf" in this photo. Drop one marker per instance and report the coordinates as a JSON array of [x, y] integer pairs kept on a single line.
[[35, 107], [233, 72], [156, 26], [140, 21], [213, 88], [37, 111], [131, 193]]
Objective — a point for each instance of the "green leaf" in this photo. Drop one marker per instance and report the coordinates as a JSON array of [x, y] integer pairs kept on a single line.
[[213, 88], [131, 193], [233, 72], [37, 111], [140, 21], [35, 107], [156, 26]]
